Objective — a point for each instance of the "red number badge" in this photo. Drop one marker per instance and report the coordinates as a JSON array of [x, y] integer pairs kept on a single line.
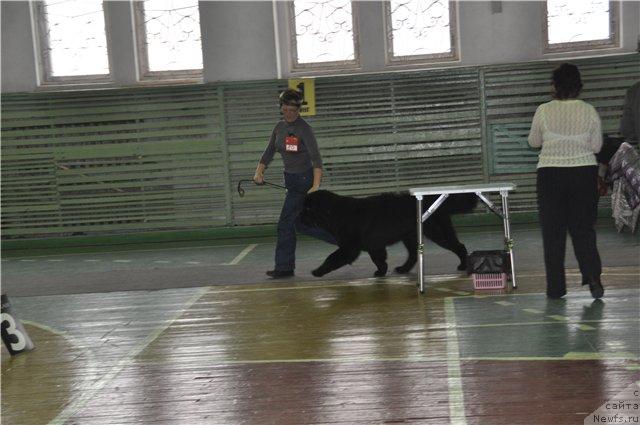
[[291, 143]]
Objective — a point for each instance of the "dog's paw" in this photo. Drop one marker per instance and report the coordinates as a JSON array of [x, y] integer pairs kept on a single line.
[[402, 270], [317, 273], [380, 273]]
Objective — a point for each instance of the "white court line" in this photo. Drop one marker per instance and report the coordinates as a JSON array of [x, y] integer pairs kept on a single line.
[[241, 255], [529, 294], [568, 321], [131, 250], [87, 394], [434, 359], [456, 396], [586, 328], [307, 285], [442, 289]]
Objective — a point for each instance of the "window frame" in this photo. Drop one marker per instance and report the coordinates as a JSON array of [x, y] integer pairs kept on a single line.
[[41, 40], [577, 46], [340, 66], [144, 74], [452, 56]]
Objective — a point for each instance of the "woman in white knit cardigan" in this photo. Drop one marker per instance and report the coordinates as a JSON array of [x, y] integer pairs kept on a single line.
[[568, 131]]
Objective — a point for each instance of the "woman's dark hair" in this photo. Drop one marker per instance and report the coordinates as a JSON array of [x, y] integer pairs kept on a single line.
[[567, 82], [291, 97]]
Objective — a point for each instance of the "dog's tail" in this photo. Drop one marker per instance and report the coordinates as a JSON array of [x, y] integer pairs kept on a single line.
[[457, 203]]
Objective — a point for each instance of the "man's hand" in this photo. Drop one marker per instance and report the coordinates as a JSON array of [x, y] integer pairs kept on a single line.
[[313, 189], [258, 177]]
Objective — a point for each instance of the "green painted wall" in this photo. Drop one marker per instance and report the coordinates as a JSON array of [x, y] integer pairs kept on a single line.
[[169, 158]]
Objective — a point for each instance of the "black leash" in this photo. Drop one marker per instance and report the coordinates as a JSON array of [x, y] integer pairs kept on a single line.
[[241, 190]]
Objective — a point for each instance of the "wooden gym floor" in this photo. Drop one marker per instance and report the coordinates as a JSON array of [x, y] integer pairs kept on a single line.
[[349, 349]]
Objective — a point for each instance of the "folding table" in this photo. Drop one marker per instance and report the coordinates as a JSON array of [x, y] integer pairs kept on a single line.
[[479, 190]]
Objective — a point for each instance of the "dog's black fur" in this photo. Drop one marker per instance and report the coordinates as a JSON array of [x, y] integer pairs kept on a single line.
[[370, 224]]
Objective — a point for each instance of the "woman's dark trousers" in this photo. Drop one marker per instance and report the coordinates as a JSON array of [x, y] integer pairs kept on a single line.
[[568, 200], [297, 184]]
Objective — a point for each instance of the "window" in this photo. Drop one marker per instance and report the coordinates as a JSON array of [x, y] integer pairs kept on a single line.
[[73, 41], [580, 25], [169, 41], [420, 30], [322, 34]]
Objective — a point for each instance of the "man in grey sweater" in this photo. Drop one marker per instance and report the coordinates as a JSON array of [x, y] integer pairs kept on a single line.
[[293, 138]]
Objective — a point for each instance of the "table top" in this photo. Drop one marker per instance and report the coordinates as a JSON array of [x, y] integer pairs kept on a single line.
[[462, 188]]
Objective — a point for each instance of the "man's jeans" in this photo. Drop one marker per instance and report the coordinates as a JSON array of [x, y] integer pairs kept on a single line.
[[297, 187]]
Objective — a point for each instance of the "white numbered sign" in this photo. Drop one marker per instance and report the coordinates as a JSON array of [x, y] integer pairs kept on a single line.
[[12, 331], [14, 336]]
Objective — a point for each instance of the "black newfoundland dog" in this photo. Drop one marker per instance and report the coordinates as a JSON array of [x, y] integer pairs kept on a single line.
[[370, 224]]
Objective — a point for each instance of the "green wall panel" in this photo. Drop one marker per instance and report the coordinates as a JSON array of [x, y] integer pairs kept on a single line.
[[169, 158]]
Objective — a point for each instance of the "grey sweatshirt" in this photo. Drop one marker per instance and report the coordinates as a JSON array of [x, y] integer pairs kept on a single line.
[[308, 154]]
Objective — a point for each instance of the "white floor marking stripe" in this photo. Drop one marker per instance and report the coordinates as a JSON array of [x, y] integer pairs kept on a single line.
[[134, 251], [533, 310], [442, 289], [241, 255], [530, 294], [345, 360], [87, 394], [555, 322], [586, 328], [588, 355], [456, 396], [434, 359], [304, 285]]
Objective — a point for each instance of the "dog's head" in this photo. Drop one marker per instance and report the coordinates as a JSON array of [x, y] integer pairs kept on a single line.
[[610, 146], [317, 209]]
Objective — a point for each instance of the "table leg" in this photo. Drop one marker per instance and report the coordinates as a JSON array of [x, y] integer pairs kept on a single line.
[[508, 242], [420, 244]]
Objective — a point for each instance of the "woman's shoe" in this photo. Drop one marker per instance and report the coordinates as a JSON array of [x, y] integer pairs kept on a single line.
[[276, 274], [595, 286]]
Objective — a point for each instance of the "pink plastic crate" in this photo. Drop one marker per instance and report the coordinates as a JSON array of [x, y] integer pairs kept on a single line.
[[489, 280]]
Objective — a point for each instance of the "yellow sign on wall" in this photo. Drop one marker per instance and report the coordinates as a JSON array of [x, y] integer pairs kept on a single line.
[[306, 86]]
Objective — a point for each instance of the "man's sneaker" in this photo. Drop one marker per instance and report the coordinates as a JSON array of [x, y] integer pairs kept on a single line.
[[276, 274]]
